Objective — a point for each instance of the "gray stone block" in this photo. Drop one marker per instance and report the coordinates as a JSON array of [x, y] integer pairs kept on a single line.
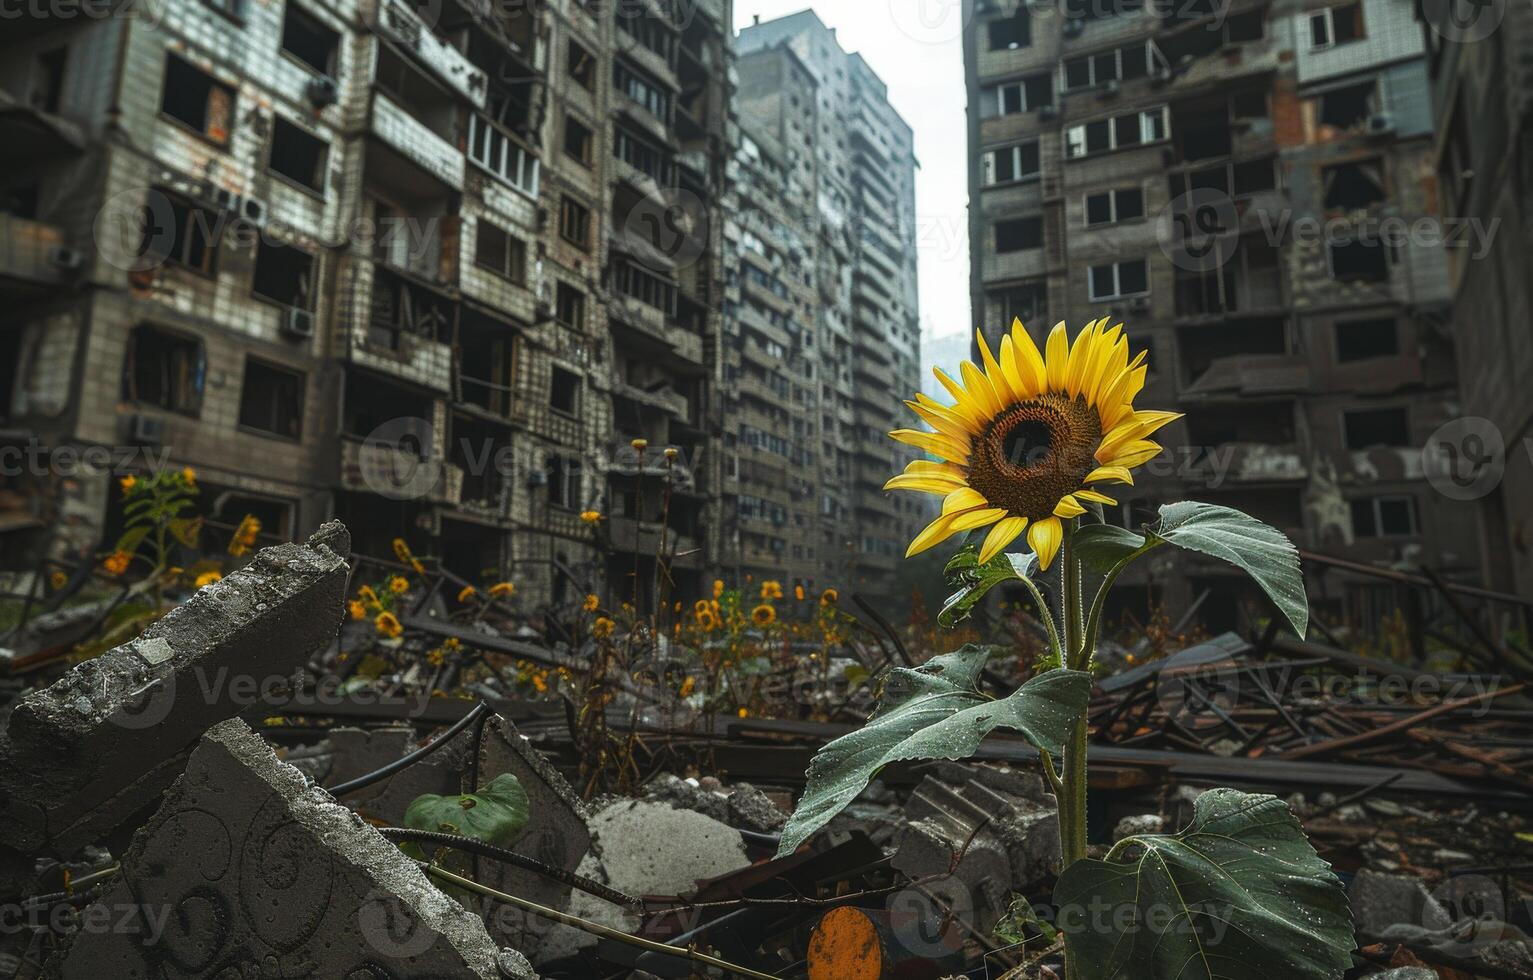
[[99, 746], [247, 870]]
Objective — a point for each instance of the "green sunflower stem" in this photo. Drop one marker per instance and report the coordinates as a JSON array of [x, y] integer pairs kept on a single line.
[[1071, 791]]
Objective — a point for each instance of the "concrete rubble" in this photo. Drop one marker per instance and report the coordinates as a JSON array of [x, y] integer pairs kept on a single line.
[[246, 863]]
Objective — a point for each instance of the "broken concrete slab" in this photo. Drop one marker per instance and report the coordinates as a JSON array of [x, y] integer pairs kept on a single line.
[[245, 864], [1381, 902], [556, 833], [741, 805], [97, 747]]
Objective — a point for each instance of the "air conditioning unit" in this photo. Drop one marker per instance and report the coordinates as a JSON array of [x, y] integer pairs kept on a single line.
[[253, 211], [323, 91], [146, 430], [1380, 124], [298, 323], [66, 259]]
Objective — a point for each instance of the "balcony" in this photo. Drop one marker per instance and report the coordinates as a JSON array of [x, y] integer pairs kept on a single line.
[[398, 473], [401, 26], [1250, 376], [395, 325], [664, 398], [1247, 463], [33, 253], [631, 536], [415, 141]]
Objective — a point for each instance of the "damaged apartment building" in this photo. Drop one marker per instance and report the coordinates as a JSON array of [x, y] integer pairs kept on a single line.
[[1249, 187], [823, 333], [388, 262]]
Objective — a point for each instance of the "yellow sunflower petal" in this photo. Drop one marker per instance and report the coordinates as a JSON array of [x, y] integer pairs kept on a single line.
[[959, 413], [971, 519], [941, 420], [1068, 507], [1135, 454], [1003, 534], [922, 484], [1057, 362], [1044, 538], [999, 383], [980, 391], [930, 467], [1029, 362], [1082, 352], [1095, 497], [1102, 373], [1010, 371], [933, 442], [964, 498], [932, 535], [1115, 474]]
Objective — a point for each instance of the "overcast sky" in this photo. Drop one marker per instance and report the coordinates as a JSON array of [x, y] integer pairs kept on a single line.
[[916, 48]]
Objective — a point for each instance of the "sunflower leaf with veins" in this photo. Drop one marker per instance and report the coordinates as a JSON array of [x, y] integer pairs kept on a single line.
[[973, 580], [934, 711]]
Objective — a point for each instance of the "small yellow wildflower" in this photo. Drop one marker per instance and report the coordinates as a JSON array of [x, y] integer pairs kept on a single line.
[[592, 603], [763, 615], [671, 452], [590, 516], [798, 593], [466, 593], [387, 624], [436, 657], [452, 643], [58, 580], [367, 595], [189, 475], [706, 620], [245, 535], [402, 550], [399, 585], [503, 589], [128, 483], [771, 589], [688, 686], [540, 683], [357, 610], [718, 587], [117, 562], [640, 445], [743, 713], [602, 628], [418, 565], [829, 597], [207, 578]]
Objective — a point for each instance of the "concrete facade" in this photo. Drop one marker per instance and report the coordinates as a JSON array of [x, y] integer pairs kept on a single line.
[[1213, 176], [347, 262], [822, 314]]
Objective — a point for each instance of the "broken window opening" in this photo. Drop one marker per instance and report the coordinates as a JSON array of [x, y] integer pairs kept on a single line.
[[1358, 261], [1384, 517], [1349, 186], [500, 252], [1346, 107], [1359, 340], [564, 392], [1018, 234], [1011, 33], [164, 370], [1387, 427], [298, 155], [309, 41], [271, 399], [284, 274], [195, 99]]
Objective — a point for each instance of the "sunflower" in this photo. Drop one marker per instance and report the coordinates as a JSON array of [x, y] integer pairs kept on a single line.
[[763, 615], [771, 589], [503, 589], [387, 624], [829, 597], [1030, 437], [466, 593], [399, 584], [592, 603], [207, 578], [357, 610], [602, 628]]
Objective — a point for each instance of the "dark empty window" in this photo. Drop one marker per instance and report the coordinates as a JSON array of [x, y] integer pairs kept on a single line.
[[164, 370], [310, 41], [1012, 32], [1028, 303], [1377, 427], [1384, 517], [564, 391], [1336, 25], [574, 222], [580, 65], [579, 141], [1113, 206], [500, 252], [1253, 177], [195, 98], [192, 239], [1353, 185], [1358, 340], [1119, 279], [298, 155], [1011, 163], [564, 482], [1359, 261], [1018, 234], [1345, 107], [284, 275], [570, 306], [271, 400]]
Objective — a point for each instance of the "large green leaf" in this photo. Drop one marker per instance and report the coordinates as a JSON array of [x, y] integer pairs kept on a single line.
[[1258, 549], [1238, 894], [495, 814], [933, 712], [973, 580]]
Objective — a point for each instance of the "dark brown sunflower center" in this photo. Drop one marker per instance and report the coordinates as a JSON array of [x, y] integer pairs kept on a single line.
[[1034, 453]]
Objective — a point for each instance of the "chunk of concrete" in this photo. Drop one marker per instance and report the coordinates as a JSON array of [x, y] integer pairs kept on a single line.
[[246, 867], [96, 749], [556, 833], [1381, 902]]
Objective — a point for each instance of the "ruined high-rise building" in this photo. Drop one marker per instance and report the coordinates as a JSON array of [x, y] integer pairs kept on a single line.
[[1249, 187], [824, 334]]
